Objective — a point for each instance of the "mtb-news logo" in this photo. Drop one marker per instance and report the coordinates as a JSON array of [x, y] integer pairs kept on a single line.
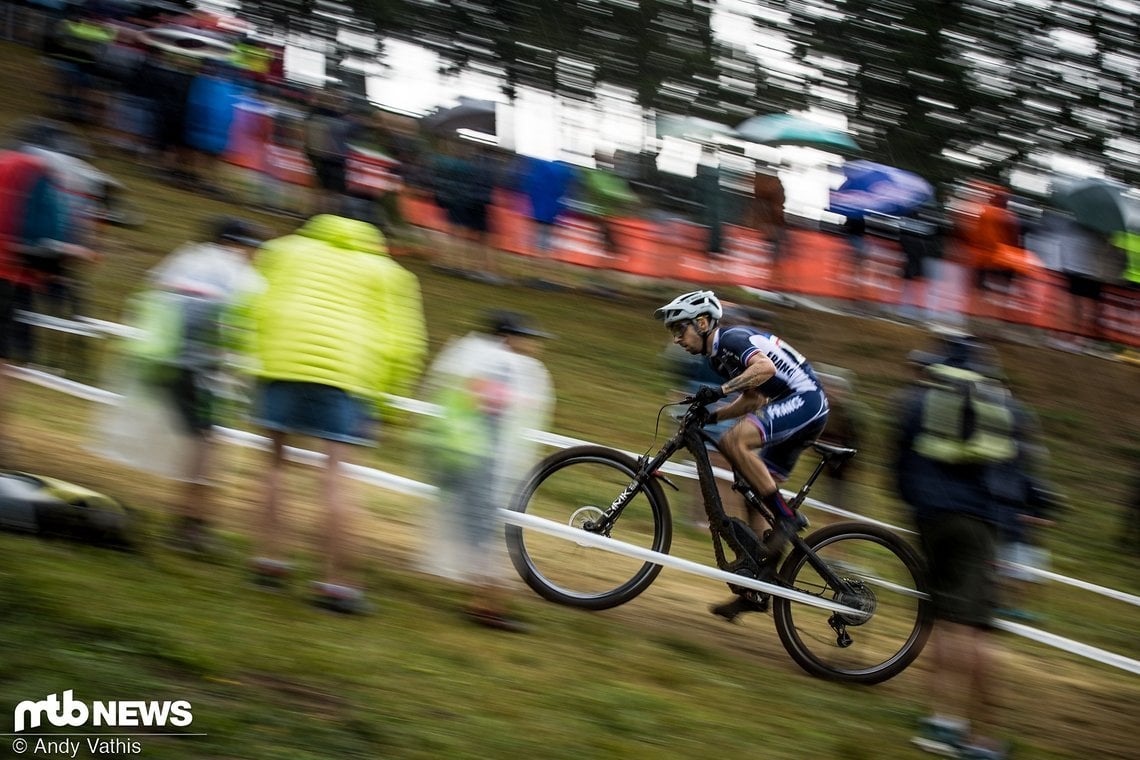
[[70, 713]]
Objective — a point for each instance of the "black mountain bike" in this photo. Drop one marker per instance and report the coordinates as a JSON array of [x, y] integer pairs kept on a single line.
[[864, 567]]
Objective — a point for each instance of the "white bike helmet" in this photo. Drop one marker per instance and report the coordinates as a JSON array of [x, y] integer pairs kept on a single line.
[[690, 306]]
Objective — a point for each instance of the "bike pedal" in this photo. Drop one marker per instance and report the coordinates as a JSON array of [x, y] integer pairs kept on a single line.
[[739, 605]]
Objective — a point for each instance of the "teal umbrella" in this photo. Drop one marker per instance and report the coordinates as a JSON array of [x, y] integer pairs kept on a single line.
[[786, 129], [1098, 204]]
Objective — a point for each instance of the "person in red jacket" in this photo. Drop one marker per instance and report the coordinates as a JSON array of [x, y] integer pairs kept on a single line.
[[31, 220], [18, 172]]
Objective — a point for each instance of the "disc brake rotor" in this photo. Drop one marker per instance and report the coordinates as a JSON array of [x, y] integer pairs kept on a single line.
[[582, 516]]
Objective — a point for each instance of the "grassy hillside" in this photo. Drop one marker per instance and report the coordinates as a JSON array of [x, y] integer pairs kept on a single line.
[[268, 677]]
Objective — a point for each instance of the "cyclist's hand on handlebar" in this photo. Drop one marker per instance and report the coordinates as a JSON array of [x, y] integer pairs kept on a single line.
[[707, 394], [702, 416]]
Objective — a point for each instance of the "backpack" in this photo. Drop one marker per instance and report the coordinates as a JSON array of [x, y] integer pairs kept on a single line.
[[44, 228], [176, 332], [459, 436], [966, 418]]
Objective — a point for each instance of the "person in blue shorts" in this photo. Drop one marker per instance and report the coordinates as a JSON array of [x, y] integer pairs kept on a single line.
[[781, 404]]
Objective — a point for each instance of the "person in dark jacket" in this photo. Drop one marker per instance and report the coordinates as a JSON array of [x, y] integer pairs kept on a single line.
[[326, 146], [170, 83], [957, 517], [920, 237], [707, 194]]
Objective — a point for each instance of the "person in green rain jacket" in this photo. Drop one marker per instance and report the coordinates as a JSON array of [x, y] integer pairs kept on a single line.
[[338, 325]]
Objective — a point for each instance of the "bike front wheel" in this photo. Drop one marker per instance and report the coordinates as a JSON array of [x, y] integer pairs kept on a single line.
[[574, 487], [882, 577]]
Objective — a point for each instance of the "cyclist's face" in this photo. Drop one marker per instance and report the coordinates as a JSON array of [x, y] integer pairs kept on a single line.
[[685, 335]]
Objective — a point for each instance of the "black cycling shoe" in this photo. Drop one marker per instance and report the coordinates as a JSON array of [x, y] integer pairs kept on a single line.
[[738, 605]]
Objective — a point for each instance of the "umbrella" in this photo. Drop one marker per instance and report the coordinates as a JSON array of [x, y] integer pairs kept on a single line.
[[691, 127], [192, 43], [1098, 204], [476, 115], [786, 129], [879, 189]]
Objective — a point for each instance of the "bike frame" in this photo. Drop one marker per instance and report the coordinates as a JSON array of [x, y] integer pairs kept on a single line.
[[696, 441]]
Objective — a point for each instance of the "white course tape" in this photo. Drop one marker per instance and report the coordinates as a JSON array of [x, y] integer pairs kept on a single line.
[[584, 538], [90, 393], [379, 478], [1120, 596], [1069, 645], [412, 487]]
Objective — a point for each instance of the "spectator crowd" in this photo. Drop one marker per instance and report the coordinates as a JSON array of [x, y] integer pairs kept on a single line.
[[324, 324]]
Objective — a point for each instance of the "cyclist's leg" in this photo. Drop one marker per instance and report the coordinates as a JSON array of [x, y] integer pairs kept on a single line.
[[787, 426], [739, 445]]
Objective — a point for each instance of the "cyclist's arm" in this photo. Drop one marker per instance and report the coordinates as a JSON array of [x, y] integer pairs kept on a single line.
[[749, 400], [760, 369]]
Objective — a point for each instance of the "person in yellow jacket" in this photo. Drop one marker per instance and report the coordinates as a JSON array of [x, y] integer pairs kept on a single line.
[[338, 325]]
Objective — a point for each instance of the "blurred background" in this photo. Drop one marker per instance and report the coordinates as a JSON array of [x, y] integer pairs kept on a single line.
[[848, 174]]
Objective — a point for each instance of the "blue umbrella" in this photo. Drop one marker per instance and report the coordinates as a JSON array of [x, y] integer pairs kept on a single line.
[[879, 189], [786, 129]]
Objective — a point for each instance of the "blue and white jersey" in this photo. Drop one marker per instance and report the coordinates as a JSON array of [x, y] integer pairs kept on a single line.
[[734, 346]]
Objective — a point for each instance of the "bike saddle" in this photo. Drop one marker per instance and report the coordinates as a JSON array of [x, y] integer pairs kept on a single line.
[[832, 453]]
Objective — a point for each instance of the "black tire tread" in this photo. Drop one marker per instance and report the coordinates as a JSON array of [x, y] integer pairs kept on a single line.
[[781, 607], [640, 581]]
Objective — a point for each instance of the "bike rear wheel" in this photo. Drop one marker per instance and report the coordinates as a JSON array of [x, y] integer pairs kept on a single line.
[[569, 488], [886, 582]]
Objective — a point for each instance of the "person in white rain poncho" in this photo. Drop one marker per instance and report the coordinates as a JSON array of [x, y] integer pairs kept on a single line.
[[492, 392], [162, 423]]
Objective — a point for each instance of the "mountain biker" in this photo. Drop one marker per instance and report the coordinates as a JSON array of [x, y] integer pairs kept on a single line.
[[782, 403]]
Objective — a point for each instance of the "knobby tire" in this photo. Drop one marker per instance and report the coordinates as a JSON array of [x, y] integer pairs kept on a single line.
[[583, 481]]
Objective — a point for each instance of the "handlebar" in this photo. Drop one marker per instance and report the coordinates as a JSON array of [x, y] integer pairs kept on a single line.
[[692, 405]]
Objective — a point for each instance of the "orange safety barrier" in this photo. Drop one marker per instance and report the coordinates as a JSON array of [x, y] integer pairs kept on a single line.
[[1120, 321], [747, 261], [579, 242], [418, 210], [1020, 302], [878, 280], [370, 173], [510, 227], [685, 253], [643, 254], [288, 165], [812, 263], [816, 264]]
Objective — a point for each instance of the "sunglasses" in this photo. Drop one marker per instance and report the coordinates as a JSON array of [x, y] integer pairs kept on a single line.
[[678, 328]]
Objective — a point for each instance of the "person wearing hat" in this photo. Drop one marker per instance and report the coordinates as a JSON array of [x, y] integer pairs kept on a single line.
[[491, 389], [959, 503], [176, 365], [511, 326]]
